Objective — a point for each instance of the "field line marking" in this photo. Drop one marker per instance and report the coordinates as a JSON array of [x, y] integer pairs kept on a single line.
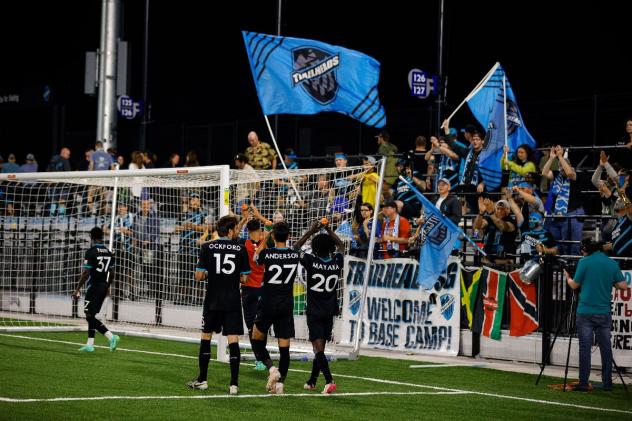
[[267, 395], [375, 380], [445, 365]]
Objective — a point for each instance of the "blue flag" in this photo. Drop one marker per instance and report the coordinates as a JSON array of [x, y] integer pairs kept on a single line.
[[301, 76], [438, 236], [488, 106]]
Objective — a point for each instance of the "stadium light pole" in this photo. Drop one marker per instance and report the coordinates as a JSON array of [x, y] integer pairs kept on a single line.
[[106, 118], [440, 96], [142, 141]]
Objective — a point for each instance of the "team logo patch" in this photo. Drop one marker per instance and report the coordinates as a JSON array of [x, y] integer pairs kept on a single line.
[[447, 306], [315, 71], [354, 301]]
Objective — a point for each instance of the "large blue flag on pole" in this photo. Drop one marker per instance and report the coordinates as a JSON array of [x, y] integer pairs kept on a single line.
[[492, 108], [302, 76], [438, 236]]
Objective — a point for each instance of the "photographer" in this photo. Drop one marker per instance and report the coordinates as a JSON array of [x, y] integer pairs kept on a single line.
[[596, 273]]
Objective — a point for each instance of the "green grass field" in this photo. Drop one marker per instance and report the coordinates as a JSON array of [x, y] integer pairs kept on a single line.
[[145, 379]]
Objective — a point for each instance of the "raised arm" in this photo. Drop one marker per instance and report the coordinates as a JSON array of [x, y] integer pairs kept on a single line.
[[311, 231], [339, 244]]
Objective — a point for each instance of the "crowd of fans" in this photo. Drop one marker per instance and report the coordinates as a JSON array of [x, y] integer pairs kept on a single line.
[[538, 209]]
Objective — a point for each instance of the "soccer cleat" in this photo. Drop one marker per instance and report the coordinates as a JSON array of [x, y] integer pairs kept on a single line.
[[114, 342], [309, 386], [195, 384], [87, 348], [329, 388], [279, 389], [233, 390], [259, 366], [273, 378]]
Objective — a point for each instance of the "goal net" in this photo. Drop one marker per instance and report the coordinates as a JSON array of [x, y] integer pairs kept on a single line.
[[154, 221]]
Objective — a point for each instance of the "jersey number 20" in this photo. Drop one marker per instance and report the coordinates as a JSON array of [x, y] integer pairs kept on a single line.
[[330, 282]]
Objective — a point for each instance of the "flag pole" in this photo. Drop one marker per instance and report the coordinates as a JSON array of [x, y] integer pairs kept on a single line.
[[505, 106], [505, 114], [276, 147], [476, 89]]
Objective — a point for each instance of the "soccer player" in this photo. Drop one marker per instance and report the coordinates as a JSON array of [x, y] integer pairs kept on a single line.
[[224, 263], [277, 302], [324, 268], [98, 274], [251, 290]]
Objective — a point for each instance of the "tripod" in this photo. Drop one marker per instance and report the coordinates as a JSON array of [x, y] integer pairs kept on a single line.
[[566, 318]]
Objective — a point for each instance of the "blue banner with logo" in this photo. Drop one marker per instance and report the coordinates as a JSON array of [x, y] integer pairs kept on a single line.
[[484, 105], [302, 76]]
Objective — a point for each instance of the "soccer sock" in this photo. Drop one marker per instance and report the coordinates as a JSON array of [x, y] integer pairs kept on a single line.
[[235, 357], [204, 358], [107, 333], [324, 366], [91, 329], [261, 352], [315, 370], [284, 362]]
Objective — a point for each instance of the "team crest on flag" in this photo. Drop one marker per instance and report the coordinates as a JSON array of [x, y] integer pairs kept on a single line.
[[315, 71], [354, 301], [447, 305]]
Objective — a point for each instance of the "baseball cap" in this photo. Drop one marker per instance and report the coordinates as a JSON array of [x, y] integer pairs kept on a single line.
[[469, 128], [535, 217], [371, 160], [340, 155], [194, 194], [241, 157], [444, 180], [502, 203], [290, 153], [30, 157]]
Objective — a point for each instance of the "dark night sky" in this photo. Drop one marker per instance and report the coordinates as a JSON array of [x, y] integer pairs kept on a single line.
[[557, 55]]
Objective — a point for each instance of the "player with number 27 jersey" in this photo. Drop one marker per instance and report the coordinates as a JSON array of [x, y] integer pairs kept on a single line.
[[281, 265]]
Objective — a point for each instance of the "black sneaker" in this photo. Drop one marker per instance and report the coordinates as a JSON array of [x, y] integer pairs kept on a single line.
[[581, 388]]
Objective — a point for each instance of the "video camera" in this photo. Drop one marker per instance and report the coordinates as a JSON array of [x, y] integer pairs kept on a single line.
[[569, 266]]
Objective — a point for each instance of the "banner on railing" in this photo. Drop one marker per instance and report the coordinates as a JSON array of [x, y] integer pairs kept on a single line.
[[622, 323], [398, 314]]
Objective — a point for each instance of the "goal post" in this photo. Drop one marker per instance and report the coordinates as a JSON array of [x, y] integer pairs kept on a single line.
[[154, 220]]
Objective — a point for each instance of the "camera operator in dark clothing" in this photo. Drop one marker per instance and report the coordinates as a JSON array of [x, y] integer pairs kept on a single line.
[[596, 274]]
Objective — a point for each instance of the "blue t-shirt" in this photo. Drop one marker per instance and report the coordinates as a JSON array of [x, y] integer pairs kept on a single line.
[[596, 274], [101, 160]]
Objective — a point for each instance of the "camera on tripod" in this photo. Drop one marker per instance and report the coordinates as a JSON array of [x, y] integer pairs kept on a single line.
[[569, 266]]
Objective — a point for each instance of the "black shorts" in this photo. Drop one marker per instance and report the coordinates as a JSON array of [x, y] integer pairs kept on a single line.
[[320, 327], [250, 297], [283, 322], [225, 322], [95, 295]]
